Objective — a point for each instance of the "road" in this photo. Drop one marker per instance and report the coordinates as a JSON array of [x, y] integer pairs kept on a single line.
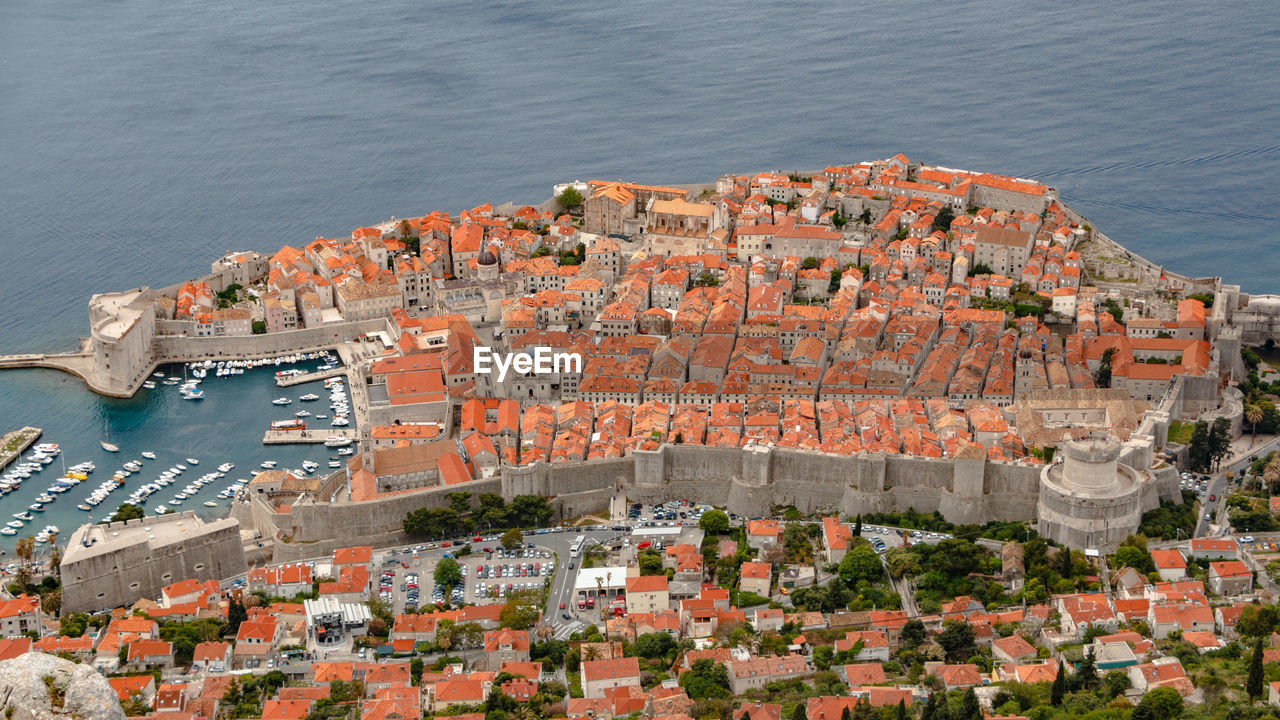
[[1218, 486]]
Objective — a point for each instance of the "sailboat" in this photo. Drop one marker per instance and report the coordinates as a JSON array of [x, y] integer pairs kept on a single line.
[[107, 445]]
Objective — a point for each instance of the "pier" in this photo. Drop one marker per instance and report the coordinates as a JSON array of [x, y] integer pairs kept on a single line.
[[291, 380], [15, 443], [308, 437]]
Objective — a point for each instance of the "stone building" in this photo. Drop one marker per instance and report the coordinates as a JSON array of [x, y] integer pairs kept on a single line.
[[1090, 500], [122, 327], [107, 566]]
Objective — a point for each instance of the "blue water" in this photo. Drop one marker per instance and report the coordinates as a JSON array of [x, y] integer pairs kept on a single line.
[[139, 139]]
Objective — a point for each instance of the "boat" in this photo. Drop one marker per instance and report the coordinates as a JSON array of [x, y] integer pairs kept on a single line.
[[335, 463], [294, 424], [226, 467], [158, 373], [346, 451], [210, 503], [149, 384], [175, 501], [310, 466], [309, 397], [180, 466], [193, 461], [148, 455], [193, 394], [337, 441], [281, 401], [171, 381], [44, 498], [25, 515], [162, 510], [8, 531], [302, 413], [339, 422], [36, 507], [15, 523], [268, 464]]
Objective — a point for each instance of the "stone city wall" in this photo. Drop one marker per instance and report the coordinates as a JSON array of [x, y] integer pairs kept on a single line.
[[170, 348]]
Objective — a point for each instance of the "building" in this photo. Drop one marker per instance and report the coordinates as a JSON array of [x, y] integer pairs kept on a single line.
[[598, 676], [20, 616], [1090, 500], [647, 594], [1230, 577], [1169, 564], [755, 577], [107, 566]]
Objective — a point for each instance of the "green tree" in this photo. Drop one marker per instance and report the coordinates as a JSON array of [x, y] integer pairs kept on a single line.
[[913, 633], [942, 221], [1253, 685], [654, 645], [706, 679], [522, 611], [957, 640], [861, 563], [1200, 450], [569, 198], [448, 572], [1102, 376], [236, 614], [126, 511], [714, 522], [1258, 620], [969, 707], [1219, 440], [259, 327], [1059, 688], [512, 539], [1163, 703], [1087, 673], [809, 263]]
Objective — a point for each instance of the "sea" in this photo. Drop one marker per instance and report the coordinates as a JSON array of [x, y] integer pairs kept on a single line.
[[141, 139]]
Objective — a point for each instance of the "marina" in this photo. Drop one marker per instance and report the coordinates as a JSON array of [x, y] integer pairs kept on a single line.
[[164, 445], [312, 437]]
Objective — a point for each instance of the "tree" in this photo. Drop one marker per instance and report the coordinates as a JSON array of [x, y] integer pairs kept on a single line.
[[809, 263], [1163, 703], [259, 327], [1087, 673], [126, 511], [448, 572], [857, 526], [1254, 683], [969, 707], [706, 679], [569, 198], [1219, 440], [1130, 556], [1102, 376], [1200, 451], [1258, 621], [800, 713], [861, 563], [942, 221], [901, 562], [522, 610], [236, 614], [714, 522], [913, 633], [1059, 686], [1253, 414], [512, 539], [654, 645], [957, 640]]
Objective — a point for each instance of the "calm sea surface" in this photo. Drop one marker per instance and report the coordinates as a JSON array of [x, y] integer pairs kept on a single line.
[[140, 139]]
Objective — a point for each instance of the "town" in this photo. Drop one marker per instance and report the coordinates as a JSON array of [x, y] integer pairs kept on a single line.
[[887, 439]]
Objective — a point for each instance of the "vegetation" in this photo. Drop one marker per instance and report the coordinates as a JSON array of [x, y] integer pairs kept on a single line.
[[569, 198], [1171, 521], [493, 513], [126, 511]]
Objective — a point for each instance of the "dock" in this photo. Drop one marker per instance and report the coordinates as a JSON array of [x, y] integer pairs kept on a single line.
[[315, 436], [13, 444], [292, 380]]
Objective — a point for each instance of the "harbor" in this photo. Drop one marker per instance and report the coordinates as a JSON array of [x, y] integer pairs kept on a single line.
[[299, 379], [156, 435]]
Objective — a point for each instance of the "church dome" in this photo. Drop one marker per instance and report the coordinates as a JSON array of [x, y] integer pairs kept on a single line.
[[487, 258]]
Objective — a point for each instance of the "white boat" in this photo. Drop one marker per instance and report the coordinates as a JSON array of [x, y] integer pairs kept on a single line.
[[193, 395], [180, 466], [193, 461], [346, 451], [149, 384], [310, 466], [15, 523], [337, 441], [175, 502], [109, 447], [8, 531], [148, 455], [281, 401], [158, 373], [309, 397], [268, 464], [302, 414], [210, 503], [226, 467], [340, 422]]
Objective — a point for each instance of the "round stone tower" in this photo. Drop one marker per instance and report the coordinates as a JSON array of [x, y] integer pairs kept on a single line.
[[1090, 500], [487, 265]]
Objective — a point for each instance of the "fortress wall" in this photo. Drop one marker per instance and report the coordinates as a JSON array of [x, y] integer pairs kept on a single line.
[[583, 503], [812, 482], [179, 349]]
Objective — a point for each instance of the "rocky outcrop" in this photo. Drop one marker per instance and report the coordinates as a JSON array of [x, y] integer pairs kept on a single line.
[[36, 686]]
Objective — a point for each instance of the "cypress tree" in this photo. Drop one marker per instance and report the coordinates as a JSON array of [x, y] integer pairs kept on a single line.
[[1088, 672], [970, 710], [857, 526], [1059, 686], [799, 713], [902, 710], [1254, 684]]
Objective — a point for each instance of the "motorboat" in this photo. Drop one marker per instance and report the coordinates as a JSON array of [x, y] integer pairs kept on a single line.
[[226, 467], [180, 466], [44, 498], [310, 466], [268, 464], [83, 507], [15, 523], [149, 384], [193, 395], [346, 451], [340, 422], [309, 397], [210, 503], [335, 463], [148, 455], [302, 414], [193, 461], [281, 401], [337, 441], [8, 531]]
